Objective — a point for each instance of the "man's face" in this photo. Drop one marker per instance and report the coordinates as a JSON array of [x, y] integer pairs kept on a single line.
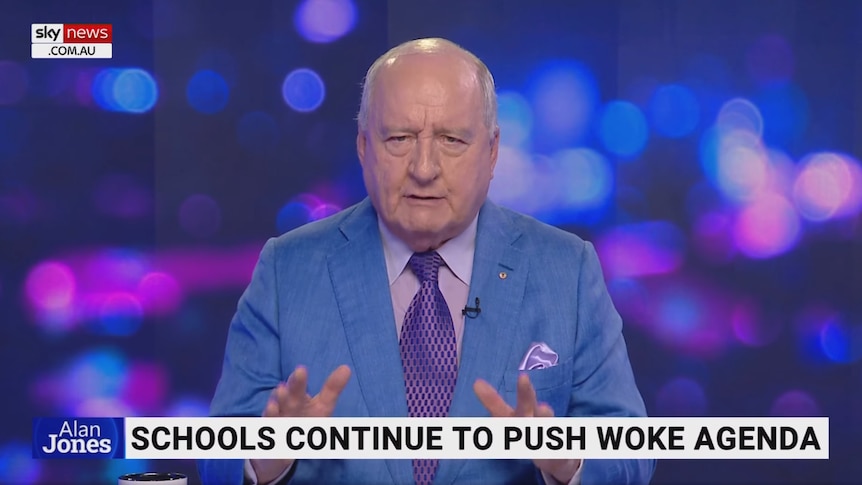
[[427, 157]]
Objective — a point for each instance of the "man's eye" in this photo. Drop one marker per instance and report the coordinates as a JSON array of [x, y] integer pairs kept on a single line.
[[451, 139], [399, 139]]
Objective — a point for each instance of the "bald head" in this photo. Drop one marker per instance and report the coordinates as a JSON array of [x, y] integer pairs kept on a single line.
[[431, 46]]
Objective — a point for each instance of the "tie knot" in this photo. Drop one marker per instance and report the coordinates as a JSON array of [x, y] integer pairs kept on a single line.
[[426, 265]]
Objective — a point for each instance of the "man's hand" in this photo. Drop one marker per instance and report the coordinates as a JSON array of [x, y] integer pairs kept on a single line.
[[527, 406], [291, 400]]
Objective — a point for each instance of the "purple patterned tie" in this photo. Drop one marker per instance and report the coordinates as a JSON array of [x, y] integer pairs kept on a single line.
[[428, 352]]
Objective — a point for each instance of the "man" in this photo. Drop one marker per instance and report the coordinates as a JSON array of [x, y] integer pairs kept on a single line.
[[345, 309]]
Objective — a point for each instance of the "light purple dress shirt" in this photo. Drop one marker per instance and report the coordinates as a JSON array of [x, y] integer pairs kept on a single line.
[[454, 278]]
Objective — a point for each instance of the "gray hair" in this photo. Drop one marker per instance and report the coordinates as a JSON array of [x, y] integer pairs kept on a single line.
[[430, 46]]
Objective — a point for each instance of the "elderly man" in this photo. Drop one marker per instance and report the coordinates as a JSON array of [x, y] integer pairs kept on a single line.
[[340, 315]]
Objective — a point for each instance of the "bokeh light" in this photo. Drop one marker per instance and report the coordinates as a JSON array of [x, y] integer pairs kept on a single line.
[[130, 90], [585, 178], [189, 406], [751, 327], [841, 342], [325, 20], [687, 315], [145, 387], [88, 381], [623, 129], [98, 407], [641, 249], [207, 92], [135, 91], [513, 184], [119, 314], [515, 118], [828, 185], [108, 270], [102, 89], [680, 396], [785, 113], [205, 269], [303, 90], [631, 299], [795, 403], [564, 96], [292, 215], [570, 185], [674, 111], [767, 227], [680, 313], [739, 114], [322, 211], [810, 326], [200, 216], [14, 82], [50, 286], [742, 170], [159, 293]]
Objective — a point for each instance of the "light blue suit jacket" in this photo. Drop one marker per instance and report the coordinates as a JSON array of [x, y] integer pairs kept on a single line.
[[320, 297]]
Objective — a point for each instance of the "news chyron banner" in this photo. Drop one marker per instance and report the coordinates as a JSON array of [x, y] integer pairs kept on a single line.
[[71, 41], [436, 438]]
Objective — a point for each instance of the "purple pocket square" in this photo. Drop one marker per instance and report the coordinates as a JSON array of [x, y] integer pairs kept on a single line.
[[540, 356]]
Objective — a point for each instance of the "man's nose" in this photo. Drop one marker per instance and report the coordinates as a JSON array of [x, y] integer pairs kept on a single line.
[[425, 165]]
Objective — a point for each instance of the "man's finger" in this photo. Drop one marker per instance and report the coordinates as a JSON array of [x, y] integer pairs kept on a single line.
[[297, 383], [272, 409], [491, 400], [544, 411], [526, 404], [333, 386]]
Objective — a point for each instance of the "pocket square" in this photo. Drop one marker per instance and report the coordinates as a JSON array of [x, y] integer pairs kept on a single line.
[[540, 356]]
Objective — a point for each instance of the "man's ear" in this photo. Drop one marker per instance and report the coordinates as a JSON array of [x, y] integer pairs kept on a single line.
[[361, 143], [495, 149]]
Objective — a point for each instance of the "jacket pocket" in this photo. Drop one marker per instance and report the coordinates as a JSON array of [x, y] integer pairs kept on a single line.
[[553, 386], [547, 378]]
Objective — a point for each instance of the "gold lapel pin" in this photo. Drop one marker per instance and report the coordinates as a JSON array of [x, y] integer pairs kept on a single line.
[[503, 275]]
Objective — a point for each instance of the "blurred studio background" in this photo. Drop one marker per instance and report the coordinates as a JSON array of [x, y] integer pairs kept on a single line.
[[710, 149]]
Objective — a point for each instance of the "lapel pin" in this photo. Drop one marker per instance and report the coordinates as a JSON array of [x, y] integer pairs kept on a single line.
[[503, 275]]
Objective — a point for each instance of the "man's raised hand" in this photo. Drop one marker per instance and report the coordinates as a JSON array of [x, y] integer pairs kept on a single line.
[[526, 407], [291, 400]]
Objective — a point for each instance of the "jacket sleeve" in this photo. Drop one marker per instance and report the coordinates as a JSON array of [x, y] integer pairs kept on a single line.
[[605, 385], [251, 366]]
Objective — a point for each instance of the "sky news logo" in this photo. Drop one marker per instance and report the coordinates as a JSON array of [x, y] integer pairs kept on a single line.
[[94, 41], [78, 438]]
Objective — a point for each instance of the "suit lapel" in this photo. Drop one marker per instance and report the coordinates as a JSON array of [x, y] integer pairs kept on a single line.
[[358, 273], [499, 279]]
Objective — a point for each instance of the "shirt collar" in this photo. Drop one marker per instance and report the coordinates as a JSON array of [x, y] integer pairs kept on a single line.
[[457, 252]]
